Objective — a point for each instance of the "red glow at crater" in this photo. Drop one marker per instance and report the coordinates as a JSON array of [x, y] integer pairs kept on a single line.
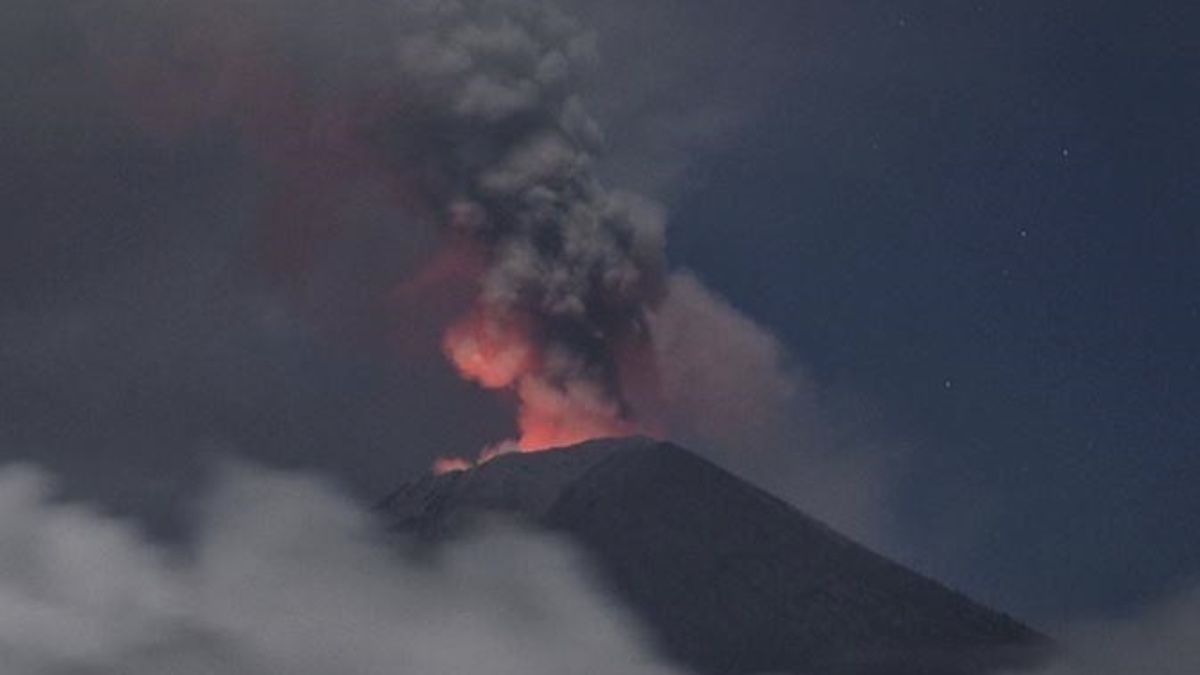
[[498, 354], [489, 351]]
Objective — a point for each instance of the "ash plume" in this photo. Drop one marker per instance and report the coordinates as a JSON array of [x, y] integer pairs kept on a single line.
[[451, 145], [472, 114]]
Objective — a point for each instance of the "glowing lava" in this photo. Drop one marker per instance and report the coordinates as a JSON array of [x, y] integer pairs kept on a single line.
[[445, 465], [553, 417], [498, 354], [491, 351]]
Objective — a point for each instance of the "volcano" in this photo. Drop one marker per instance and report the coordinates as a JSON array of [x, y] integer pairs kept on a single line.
[[729, 579]]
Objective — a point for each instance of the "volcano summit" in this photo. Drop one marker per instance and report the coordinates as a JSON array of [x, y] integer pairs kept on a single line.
[[730, 579]]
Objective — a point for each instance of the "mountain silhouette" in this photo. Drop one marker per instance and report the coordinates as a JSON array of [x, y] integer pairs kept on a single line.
[[730, 579]]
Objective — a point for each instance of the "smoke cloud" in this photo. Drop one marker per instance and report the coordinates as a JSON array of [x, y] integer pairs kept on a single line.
[[1164, 640], [729, 388], [464, 132], [287, 576], [471, 113]]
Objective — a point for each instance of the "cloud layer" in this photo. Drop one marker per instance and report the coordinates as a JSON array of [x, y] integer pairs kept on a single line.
[[286, 576], [1163, 640]]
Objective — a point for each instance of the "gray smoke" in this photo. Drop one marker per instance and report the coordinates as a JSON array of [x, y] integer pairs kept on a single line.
[[473, 119], [288, 577], [570, 265], [729, 389], [470, 109]]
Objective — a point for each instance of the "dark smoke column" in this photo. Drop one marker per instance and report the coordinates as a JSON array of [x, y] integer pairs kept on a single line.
[[467, 113], [570, 268]]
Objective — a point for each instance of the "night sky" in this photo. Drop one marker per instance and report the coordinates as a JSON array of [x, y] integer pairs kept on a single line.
[[975, 224], [985, 215]]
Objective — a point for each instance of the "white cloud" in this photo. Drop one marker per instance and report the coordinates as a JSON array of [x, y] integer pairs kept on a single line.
[[287, 576], [1162, 640]]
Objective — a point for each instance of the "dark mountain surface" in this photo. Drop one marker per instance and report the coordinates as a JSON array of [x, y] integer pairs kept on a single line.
[[731, 579]]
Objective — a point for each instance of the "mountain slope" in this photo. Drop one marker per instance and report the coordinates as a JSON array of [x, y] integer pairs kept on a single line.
[[731, 579]]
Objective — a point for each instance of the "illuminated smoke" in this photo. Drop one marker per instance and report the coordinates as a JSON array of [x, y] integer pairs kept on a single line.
[[572, 266], [459, 130], [470, 113], [448, 146]]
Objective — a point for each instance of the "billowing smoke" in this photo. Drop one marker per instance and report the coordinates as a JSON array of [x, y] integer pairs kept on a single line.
[[286, 576], [471, 113], [569, 266], [462, 131]]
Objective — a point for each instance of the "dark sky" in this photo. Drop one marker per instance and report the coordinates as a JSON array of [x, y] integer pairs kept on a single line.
[[982, 218], [986, 215]]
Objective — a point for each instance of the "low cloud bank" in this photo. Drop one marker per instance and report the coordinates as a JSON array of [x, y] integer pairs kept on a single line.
[[1161, 640], [286, 576]]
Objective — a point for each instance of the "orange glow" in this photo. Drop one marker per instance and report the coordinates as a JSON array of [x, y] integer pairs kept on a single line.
[[444, 465], [553, 417], [497, 353], [539, 435], [490, 351], [559, 424]]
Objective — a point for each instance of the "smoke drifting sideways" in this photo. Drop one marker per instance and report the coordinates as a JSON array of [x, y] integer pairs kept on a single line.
[[287, 576]]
